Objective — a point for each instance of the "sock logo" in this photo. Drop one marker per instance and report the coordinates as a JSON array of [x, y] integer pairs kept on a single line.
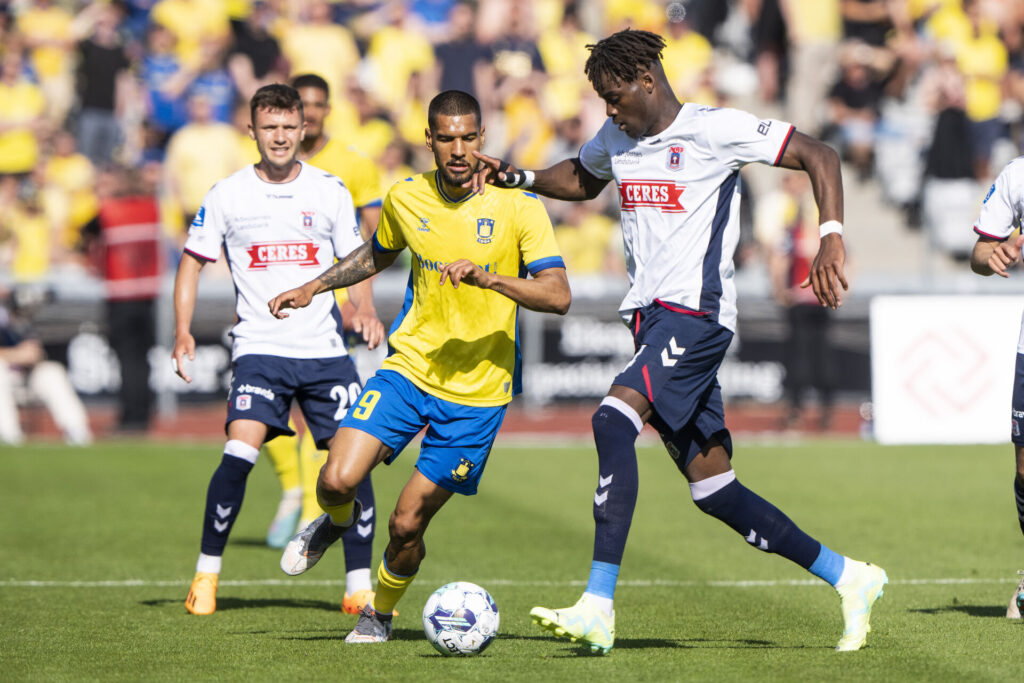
[[222, 524], [671, 355], [602, 483], [757, 541]]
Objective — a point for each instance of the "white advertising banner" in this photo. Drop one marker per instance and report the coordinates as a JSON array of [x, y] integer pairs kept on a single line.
[[942, 367]]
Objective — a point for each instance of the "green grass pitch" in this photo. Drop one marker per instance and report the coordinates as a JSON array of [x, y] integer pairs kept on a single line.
[[97, 547]]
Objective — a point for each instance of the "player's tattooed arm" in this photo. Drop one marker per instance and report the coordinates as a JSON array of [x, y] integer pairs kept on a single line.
[[362, 263], [354, 268]]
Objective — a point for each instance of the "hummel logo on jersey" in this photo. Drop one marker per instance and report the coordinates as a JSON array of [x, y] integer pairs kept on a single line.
[[265, 254], [422, 227], [671, 355], [656, 194]]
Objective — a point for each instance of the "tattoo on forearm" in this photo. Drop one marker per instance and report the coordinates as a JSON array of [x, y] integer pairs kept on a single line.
[[354, 268]]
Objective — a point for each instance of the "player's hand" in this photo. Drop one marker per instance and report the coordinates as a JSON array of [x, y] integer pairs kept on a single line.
[[366, 323], [293, 298], [1005, 255], [827, 271], [494, 172], [184, 345], [466, 271]]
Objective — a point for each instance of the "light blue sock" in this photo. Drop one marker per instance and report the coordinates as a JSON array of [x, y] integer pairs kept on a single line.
[[828, 566], [603, 577]]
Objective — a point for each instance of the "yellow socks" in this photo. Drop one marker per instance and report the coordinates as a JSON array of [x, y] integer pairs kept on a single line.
[[390, 589]]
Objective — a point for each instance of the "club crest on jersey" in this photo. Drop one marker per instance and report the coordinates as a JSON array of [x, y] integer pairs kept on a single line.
[[484, 230], [461, 472], [675, 157], [243, 402], [307, 218], [266, 254]]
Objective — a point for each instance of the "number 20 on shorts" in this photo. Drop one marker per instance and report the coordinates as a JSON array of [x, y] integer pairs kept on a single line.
[[366, 404]]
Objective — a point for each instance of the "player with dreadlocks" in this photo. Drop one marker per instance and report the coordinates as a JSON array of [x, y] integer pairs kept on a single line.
[[676, 167]]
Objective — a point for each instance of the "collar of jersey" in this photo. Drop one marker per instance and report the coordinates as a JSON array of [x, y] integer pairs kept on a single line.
[[444, 195]]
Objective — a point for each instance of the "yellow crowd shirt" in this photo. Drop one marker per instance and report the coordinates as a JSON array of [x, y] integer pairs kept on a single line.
[[462, 345], [19, 105]]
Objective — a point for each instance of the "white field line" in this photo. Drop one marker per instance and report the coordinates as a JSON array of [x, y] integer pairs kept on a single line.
[[636, 583]]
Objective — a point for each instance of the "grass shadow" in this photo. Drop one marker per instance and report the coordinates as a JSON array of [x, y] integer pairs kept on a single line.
[[983, 611], [227, 604]]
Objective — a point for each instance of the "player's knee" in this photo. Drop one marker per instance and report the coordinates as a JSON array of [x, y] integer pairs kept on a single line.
[[405, 528], [611, 424], [337, 482]]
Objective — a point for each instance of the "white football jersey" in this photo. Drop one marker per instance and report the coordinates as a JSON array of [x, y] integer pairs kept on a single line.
[[1003, 207], [278, 236], [679, 195]]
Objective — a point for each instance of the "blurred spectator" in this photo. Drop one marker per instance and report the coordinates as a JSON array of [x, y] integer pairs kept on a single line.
[[315, 44], [124, 242], [463, 62], [69, 190], [687, 57], [518, 66], [103, 86], [192, 22], [983, 60], [164, 82], [395, 165], [814, 29], [21, 108], [786, 223], [563, 53], [867, 21], [434, 16], [589, 241], [949, 194], [770, 39], [396, 51], [853, 106], [256, 58], [198, 155], [213, 82], [26, 375], [363, 124], [47, 31], [28, 230]]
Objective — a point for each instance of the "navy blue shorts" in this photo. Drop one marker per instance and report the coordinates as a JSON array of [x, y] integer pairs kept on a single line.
[[262, 389], [676, 368], [1017, 403], [458, 439]]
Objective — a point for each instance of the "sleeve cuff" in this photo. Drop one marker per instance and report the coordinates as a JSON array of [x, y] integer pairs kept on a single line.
[[380, 247], [545, 263], [199, 256]]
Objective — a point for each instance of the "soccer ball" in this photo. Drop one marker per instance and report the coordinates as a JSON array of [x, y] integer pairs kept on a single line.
[[460, 618]]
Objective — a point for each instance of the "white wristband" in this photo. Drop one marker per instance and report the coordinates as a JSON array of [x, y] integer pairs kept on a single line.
[[529, 176], [829, 227]]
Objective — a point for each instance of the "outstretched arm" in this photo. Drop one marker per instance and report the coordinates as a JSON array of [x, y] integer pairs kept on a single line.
[[822, 165], [565, 180], [992, 256], [547, 292], [362, 263]]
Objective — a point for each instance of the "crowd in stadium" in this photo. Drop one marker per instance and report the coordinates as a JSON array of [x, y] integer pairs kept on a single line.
[[922, 96]]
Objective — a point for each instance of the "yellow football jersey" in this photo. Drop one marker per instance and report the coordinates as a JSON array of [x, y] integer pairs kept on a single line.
[[462, 345], [358, 173]]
